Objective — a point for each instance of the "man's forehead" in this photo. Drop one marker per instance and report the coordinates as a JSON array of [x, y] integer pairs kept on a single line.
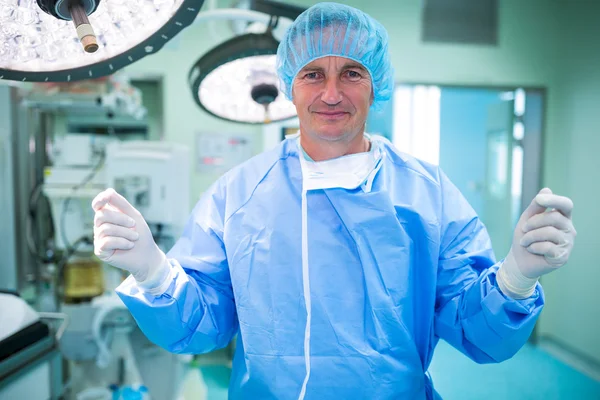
[[324, 62]]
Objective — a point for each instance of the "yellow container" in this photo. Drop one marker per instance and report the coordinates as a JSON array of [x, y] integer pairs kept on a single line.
[[83, 279]]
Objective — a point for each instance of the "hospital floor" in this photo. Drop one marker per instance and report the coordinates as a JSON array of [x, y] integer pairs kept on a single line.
[[531, 374]]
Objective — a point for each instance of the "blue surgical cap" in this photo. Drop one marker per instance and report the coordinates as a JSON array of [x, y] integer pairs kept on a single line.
[[331, 29]]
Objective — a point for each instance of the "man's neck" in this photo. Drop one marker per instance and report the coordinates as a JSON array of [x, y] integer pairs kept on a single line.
[[321, 150]]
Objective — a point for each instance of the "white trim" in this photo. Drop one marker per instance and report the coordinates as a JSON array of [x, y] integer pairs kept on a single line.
[[306, 285]]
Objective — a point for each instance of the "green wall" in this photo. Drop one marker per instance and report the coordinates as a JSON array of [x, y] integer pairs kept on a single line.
[[572, 314], [542, 43]]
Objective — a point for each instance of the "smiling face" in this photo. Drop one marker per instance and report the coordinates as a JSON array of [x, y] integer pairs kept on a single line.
[[332, 96]]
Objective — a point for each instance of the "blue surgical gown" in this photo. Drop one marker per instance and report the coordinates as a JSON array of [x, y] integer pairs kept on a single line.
[[391, 271]]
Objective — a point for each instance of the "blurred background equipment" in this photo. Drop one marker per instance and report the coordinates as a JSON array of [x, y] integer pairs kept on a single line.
[[74, 140], [40, 44]]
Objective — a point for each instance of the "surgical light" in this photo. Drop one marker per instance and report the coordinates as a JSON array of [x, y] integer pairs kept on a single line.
[[69, 40], [237, 80]]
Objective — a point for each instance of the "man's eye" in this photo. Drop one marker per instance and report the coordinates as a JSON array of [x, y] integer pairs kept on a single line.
[[311, 75], [353, 75]]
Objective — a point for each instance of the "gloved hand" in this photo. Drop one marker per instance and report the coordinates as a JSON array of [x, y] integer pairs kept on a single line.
[[123, 239], [542, 243]]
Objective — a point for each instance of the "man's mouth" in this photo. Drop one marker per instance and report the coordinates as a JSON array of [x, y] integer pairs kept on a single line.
[[331, 114]]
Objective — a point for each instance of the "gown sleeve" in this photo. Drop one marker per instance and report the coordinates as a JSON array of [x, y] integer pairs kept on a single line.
[[196, 313], [471, 312]]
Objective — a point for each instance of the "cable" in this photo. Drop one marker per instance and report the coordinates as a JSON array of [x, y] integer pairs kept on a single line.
[[34, 196], [71, 249], [35, 249], [66, 202], [111, 133]]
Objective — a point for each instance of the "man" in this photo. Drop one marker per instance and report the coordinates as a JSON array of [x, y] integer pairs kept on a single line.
[[339, 260]]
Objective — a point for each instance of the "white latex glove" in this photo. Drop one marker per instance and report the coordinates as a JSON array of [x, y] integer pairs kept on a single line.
[[542, 243], [123, 239]]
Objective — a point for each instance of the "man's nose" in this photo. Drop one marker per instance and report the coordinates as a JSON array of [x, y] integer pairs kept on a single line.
[[332, 94]]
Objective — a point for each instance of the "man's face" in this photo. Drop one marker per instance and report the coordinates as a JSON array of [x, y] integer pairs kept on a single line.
[[332, 96]]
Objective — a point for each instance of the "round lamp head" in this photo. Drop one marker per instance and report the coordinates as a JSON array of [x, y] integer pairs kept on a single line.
[[39, 43], [237, 81]]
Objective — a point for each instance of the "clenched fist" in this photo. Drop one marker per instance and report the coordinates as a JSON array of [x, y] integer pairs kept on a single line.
[[542, 243]]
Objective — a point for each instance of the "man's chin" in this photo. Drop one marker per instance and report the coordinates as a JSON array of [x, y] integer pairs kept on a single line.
[[332, 136], [332, 133]]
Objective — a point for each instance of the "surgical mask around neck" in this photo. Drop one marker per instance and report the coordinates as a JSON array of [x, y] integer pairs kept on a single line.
[[346, 172]]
